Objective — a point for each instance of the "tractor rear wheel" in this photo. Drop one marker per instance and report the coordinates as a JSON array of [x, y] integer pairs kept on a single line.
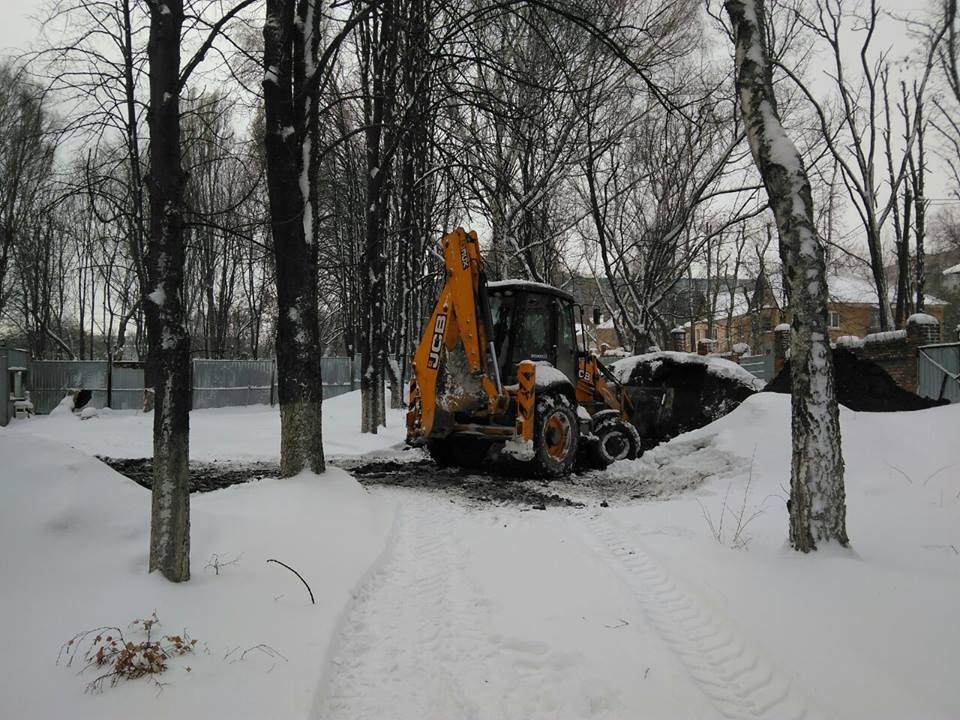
[[465, 452], [556, 436]]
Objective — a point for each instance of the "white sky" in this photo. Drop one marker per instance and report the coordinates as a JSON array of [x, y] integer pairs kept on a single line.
[[19, 31]]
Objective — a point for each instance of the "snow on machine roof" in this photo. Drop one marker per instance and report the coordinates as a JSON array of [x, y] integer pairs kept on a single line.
[[528, 286]]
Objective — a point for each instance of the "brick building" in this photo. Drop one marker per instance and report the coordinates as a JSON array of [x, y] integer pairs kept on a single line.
[[852, 310]]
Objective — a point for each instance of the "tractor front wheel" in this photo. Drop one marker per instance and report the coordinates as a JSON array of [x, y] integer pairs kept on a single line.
[[616, 440]]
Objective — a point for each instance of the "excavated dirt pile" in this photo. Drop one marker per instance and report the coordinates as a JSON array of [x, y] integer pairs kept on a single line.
[[862, 385], [677, 392]]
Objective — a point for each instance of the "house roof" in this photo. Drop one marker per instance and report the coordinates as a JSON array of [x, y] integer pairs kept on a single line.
[[855, 290], [842, 288]]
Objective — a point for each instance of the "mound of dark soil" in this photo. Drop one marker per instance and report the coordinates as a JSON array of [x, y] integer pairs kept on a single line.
[[862, 385], [674, 395]]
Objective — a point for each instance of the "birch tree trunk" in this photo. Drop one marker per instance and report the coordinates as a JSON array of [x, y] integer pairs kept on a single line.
[[291, 38], [817, 498], [168, 357]]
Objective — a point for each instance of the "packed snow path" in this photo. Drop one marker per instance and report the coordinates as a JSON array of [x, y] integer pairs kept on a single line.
[[503, 614]]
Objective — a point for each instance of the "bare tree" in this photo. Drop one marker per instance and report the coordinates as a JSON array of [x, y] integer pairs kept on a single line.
[[817, 497], [169, 342], [292, 34], [853, 139], [26, 158], [378, 68]]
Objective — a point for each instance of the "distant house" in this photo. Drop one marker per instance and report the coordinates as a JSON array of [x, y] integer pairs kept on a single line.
[[852, 309], [686, 297]]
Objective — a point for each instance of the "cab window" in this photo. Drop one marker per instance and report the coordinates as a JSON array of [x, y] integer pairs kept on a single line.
[[533, 334], [566, 326]]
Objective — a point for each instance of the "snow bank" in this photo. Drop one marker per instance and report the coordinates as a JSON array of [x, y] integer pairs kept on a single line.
[[716, 366], [865, 632], [922, 319], [64, 408], [73, 547], [89, 412], [242, 434], [849, 341], [886, 336]]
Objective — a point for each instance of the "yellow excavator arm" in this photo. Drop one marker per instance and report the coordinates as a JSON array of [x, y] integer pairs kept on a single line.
[[461, 316]]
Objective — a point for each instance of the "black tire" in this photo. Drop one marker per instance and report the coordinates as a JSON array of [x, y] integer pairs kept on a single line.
[[616, 440], [556, 436], [458, 451]]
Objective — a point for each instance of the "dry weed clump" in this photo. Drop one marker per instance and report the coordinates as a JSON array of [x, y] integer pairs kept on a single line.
[[118, 657]]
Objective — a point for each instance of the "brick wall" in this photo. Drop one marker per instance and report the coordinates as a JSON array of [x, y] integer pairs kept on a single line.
[[896, 352]]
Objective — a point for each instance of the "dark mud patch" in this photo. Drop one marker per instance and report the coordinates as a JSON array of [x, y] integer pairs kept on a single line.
[[491, 486], [204, 477], [417, 473]]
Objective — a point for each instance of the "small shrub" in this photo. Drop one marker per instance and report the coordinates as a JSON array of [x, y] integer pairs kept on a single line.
[[118, 657]]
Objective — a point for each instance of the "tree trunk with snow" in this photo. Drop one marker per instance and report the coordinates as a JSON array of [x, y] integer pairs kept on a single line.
[[918, 170], [817, 496], [291, 39], [168, 356], [378, 61]]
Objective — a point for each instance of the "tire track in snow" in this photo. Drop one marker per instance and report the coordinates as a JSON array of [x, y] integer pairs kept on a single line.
[[740, 682], [394, 646], [420, 642]]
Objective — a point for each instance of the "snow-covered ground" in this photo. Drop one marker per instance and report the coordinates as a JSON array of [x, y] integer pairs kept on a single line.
[[428, 608], [233, 434]]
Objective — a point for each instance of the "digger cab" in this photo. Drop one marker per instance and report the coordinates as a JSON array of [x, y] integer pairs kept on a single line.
[[532, 321]]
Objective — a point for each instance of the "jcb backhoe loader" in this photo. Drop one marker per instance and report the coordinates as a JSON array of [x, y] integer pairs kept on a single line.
[[499, 364]]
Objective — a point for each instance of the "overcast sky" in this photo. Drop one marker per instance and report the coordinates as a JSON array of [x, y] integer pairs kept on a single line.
[[19, 31]]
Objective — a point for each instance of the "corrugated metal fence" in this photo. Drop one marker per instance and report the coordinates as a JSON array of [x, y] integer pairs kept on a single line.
[[216, 383], [49, 381], [219, 383], [759, 365], [126, 387], [938, 372]]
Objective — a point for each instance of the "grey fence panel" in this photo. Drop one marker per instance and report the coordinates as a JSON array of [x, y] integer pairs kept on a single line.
[[759, 365], [225, 383], [126, 388], [215, 383], [50, 380], [938, 372], [5, 404], [339, 375]]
